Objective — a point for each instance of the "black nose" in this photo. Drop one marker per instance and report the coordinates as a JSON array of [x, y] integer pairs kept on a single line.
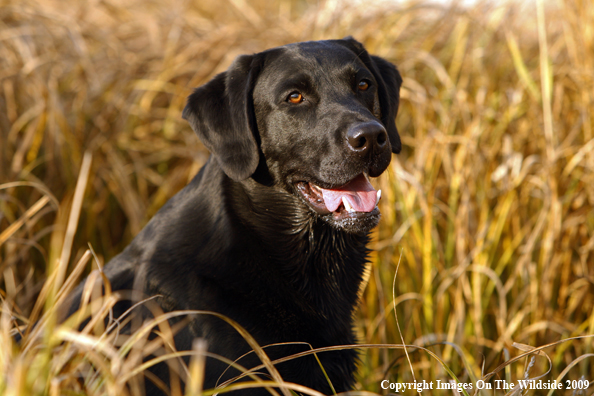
[[367, 137]]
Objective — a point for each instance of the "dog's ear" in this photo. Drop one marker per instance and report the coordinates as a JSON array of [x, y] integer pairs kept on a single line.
[[221, 113], [389, 82], [389, 97]]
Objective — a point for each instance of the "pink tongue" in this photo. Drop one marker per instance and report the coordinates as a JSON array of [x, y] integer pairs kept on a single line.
[[359, 193]]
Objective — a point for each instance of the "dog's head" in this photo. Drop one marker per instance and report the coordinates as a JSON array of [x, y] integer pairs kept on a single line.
[[319, 115]]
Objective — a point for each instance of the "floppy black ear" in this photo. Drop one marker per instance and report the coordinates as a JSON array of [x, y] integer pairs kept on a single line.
[[389, 82], [389, 97], [222, 115]]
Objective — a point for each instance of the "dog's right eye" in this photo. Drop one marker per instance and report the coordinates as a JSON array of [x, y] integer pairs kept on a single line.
[[295, 98]]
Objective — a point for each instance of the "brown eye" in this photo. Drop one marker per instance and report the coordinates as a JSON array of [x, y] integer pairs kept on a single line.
[[295, 98], [363, 85]]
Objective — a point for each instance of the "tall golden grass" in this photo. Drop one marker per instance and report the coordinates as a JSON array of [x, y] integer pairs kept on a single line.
[[488, 213]]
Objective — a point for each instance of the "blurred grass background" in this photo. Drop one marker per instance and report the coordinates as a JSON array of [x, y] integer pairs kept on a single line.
[[488, 210]]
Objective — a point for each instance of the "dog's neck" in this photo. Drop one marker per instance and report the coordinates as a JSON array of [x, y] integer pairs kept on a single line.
[[245, 235], [310, 254]]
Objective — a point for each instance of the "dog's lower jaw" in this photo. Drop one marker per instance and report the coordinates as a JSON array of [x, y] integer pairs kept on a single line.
[[359, 223], [350, 207]]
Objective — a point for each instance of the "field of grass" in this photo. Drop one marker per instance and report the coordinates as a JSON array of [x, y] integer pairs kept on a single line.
[[485, 253]]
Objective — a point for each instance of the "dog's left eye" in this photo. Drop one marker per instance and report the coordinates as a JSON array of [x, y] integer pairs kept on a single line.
[[363, 85]]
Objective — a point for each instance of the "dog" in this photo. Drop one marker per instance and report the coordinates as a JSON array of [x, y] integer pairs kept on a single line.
[[272, 231]]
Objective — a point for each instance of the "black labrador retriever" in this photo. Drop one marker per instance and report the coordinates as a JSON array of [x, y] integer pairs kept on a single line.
[[272, 232]]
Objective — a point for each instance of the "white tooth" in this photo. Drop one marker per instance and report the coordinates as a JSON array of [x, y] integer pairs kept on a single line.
[[379, 195], [347, 206]]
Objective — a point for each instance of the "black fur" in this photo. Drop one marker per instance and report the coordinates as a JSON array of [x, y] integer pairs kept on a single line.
[[241, 240]]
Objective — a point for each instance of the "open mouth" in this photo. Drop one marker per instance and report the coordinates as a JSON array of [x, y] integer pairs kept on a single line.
[[355, 198]]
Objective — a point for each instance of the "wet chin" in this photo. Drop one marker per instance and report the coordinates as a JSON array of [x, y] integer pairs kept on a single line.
[[354, 223]]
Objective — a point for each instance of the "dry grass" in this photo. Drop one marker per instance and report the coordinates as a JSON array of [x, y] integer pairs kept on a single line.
[[489, 209]]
